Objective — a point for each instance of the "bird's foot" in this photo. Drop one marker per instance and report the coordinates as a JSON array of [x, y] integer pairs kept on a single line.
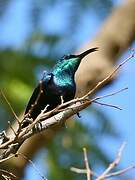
[[37, 127], [26, 122], [78, 114]]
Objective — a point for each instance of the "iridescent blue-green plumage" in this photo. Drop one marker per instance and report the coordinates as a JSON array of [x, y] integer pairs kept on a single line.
[[59, 83]]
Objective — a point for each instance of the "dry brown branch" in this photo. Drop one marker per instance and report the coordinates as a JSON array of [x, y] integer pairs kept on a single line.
[[8, 174], [107, 173], [120, 172], [12, 110], [78, 171], [106, 104], [82, 171], [59, 115], [113, 164], [9, 123], [105, 80], [110, 94], [6, 177], [88, 170], [27, 159], [5, 159], [33, 165], [62, 100]]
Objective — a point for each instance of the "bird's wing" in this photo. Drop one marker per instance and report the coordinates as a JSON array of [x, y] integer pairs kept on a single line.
[[37, 91]]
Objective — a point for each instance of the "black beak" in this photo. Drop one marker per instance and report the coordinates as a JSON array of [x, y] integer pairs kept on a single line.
[[82, 55]]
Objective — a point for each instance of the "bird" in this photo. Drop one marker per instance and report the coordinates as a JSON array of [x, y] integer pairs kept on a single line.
[[60, 82]]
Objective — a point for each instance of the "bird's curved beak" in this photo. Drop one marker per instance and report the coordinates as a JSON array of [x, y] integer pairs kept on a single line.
[[85, 53]]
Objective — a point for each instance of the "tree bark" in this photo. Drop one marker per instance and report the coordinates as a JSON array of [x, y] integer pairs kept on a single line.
[[116, 35]]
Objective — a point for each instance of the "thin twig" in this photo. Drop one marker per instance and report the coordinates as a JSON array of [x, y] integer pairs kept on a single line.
[[9, 173], [87, 164], [7, 158], [9, 123], [12, 110], [62, 100], [106, 174], [104, 81], [110, 94], [120, 172], [33, 165], [82, 171], [6, 177], [38, 119], [113, 164], [106, 104], [78, 171]]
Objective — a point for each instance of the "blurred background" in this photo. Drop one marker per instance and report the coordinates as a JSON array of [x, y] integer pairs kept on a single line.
[[34, 34]]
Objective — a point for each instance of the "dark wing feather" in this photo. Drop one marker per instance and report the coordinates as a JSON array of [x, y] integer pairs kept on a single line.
[[37, 92], [33, 98]]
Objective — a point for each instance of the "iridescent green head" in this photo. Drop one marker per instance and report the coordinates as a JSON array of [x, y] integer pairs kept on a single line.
[[68, 64]]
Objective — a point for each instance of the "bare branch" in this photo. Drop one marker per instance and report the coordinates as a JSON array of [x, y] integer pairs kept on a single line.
[[113, 164], [123, 171], [9, 123], [87, 164], [27, 159], [106, 174], [57, 116], [110, 94], [3, 171], [106, 104], [78, 171], [12, 110], [33, 165], [5, 159], [82, 171], [62, 100], [104, 81]]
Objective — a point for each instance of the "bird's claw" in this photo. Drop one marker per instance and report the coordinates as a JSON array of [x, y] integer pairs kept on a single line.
[[78, 114], [26, 122], [37, 127]]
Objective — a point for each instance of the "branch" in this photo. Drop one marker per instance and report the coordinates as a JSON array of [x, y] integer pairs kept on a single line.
[[88, 170], [33, 165], [113, 164], [8, 175], [106, 104], [107, 173], [109, 77], [82, 171], [123, 171], [12, 110], [27, 159], [55, 117]]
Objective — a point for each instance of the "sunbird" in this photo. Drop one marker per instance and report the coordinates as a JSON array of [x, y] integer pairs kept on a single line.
[[57, 84]]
